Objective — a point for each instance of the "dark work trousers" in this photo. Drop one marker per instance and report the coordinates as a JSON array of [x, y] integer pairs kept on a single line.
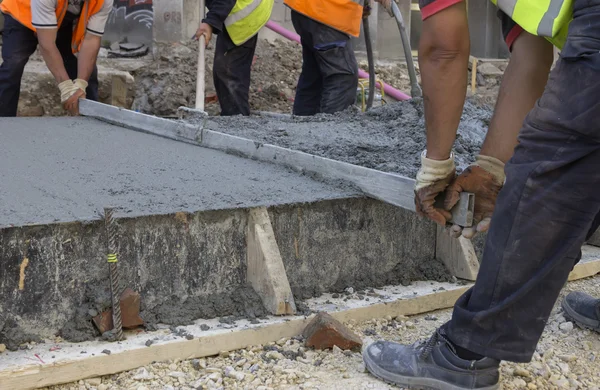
[[329, 75], [549, 206], [231, 74], [19, 43]]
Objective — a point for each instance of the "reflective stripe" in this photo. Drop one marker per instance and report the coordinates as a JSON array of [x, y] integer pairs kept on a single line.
[[546, 25], [243, 13], [508, 6]]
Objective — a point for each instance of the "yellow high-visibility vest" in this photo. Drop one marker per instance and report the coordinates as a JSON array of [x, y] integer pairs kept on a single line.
[[246, 18], [545, 18]]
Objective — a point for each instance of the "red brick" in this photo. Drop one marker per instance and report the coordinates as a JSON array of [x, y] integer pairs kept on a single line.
[[324, 332], [130, 313]]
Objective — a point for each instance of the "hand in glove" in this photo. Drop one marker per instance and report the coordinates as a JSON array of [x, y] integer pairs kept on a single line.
[[70, 93], [432, 179], [484, 178]]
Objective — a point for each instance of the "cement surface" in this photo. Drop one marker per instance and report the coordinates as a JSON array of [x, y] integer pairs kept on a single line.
[[65, 169], [388, 138]]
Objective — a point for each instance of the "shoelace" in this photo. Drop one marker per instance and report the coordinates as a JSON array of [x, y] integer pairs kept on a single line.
[[426, 347]]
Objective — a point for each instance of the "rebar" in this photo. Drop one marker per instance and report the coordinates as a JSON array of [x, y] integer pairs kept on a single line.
[[115, 278]]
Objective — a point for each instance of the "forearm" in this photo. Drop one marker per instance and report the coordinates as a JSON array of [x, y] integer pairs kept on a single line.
[[51, 55], [443, 59], [88, 54], [522, 85]]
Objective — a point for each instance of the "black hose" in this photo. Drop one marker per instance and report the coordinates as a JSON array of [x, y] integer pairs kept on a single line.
[[369, 45]]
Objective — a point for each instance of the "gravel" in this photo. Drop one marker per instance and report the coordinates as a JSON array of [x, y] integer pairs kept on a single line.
[[565, 359]]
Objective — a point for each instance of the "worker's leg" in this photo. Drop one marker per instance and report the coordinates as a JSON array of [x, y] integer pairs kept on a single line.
[[338, 66], [546, 209], [310, 84], [231, 74], [544, 212], [63, 43], [18, 44]]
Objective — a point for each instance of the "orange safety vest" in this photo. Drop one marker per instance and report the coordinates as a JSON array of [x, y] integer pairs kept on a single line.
[[343, 15], [21, 11]]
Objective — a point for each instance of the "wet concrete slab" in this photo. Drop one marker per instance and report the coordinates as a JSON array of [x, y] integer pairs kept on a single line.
[[68, 169]]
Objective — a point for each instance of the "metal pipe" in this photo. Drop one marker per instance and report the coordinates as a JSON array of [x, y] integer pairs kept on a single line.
[[370, 60], [415, 89]]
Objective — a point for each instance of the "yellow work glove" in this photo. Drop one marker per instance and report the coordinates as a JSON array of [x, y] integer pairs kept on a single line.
[[432, 179], [485, 179]]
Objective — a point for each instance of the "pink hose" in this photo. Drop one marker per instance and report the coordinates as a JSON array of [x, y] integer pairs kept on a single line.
[[389, 90]]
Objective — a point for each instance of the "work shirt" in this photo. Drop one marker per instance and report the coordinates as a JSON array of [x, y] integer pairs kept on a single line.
[[43, 13], [218, 11]]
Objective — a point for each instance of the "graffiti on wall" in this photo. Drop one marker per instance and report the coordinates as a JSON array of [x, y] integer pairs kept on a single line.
[[136, 12]]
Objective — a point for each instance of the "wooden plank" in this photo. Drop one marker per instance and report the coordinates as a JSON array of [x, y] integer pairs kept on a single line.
[[266, 272], [589, 265], [149, 124], [118, 97], [458, 254], [31, 377]]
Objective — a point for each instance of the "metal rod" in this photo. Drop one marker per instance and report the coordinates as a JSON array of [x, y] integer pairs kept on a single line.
[[115, 278], [415, 89], [371, 61]]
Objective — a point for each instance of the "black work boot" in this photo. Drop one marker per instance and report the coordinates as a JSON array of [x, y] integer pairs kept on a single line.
[[430, 365], [583, 309]]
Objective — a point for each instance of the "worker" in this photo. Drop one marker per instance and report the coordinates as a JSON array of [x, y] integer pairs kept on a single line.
[[544, 212], [62, 29], [236, 24], [329, 76]]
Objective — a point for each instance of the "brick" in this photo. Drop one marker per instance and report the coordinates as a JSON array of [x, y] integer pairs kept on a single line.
[[324, 331], [130, 313]]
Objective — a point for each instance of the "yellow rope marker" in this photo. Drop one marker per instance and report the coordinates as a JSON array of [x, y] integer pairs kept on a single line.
[[111, 258]]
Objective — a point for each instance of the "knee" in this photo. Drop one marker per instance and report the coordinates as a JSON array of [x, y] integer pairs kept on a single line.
[[445, 36]]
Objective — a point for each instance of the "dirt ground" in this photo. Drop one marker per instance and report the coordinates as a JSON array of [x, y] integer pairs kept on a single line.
[[566, 358], [169, 81]]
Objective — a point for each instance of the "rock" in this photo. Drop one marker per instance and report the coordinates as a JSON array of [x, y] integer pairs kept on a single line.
[[94, 381], [199, 364], [532, 386], [567, 358], [173, 367], [519, 383], [230, 372], [520, 371], [410, 325], [224, 354], [349, 290], [324, 332], [566, 326], [274, 355], [177, 374], [102, 387], [2, 348], [142, 375], [488, 69], [561, 383]]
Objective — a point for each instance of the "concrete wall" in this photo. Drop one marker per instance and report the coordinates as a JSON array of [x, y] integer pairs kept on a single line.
[[130, 19], [54, 277]]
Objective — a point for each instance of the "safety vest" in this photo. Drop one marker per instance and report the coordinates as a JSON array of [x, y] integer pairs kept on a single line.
[[545, 18], [246, 18], [342, 15], [20, 10]]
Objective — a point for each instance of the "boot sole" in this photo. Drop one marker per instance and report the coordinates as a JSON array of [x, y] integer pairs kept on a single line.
[[414, 383], [582, 321]]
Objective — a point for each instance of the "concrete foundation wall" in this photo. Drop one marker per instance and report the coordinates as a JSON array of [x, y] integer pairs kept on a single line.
[[53, 278]]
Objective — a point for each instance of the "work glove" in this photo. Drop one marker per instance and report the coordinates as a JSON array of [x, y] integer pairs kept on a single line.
[[70, 93], [432, 179], [485, 179]]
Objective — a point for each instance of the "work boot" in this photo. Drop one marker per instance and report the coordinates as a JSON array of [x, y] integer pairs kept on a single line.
[[432, 364], [583, 309]]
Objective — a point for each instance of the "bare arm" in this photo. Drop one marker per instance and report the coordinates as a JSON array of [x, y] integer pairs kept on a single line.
[[523, 83], [443, 58], [51, 55], [88, 55]]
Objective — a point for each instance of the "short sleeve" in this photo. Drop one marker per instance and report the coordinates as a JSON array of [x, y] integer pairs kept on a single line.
[[43, 14], [97, 22]]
